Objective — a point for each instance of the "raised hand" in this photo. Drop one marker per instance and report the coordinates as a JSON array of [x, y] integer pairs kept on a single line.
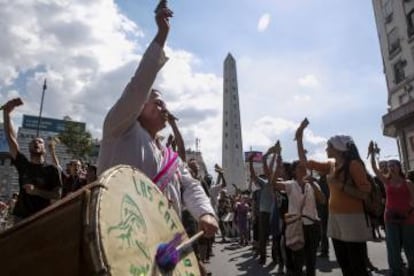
[[301, 128], [371, 147], [163, 14], [171, 118], [277, 148], [218, 169], [11, 104]]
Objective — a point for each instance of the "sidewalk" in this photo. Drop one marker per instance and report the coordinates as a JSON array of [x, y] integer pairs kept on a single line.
[[231, 259]]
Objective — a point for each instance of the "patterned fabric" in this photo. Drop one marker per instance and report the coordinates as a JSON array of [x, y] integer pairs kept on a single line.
[[168, 169]]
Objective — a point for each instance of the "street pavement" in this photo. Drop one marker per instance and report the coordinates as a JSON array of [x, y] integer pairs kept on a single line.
[[230, 259]]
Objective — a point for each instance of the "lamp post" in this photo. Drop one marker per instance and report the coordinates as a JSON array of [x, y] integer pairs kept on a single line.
[[41, 108]]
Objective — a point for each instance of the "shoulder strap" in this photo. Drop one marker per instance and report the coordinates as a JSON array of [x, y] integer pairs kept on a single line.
[[168, 168]]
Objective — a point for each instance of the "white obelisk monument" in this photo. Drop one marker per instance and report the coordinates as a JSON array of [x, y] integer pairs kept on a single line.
[[232, 147]]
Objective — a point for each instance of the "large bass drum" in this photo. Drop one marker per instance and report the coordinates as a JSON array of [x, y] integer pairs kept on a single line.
[[110, 227]]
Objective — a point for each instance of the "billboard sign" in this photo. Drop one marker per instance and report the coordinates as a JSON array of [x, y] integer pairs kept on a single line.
[[48, 124]]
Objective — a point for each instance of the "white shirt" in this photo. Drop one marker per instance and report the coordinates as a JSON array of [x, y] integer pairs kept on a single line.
[[297, 197], [126, 142]]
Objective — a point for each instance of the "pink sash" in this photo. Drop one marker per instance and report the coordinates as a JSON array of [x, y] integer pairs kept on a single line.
[[168, 169]]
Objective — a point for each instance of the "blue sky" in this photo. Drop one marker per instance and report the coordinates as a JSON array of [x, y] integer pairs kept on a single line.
[[313, 58]]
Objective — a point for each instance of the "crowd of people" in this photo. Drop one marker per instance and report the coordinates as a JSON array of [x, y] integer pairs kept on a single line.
[[295, 205], [300, 205]]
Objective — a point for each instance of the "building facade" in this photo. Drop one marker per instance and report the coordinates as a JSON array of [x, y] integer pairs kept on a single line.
[[6, 168], [232, 147], [395, 25]]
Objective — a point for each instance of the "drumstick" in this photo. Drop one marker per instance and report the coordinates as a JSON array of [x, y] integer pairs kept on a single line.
[[183, 246]]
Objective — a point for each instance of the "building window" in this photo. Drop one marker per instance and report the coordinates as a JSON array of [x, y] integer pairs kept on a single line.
[[226, 134], [387, 10], [410, 23], [237, 146], [399, 73], [393, 41]]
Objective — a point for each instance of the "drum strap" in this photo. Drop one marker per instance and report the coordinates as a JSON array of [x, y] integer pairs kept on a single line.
[[168, 169]]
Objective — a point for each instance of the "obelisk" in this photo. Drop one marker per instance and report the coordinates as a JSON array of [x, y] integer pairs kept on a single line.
[[232, 147]]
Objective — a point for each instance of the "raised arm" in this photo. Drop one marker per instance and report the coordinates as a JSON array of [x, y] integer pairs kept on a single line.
[[266, 169], [377, 172], [279, 164], [129, 106], [8, 126], [299, 141], [52, 151], [253, 175], [177, 136]]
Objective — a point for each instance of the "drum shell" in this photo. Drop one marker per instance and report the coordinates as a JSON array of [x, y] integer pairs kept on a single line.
[[67, 238], [52, 242]]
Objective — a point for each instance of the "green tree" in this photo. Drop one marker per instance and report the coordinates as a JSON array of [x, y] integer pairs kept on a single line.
[[77, 140]]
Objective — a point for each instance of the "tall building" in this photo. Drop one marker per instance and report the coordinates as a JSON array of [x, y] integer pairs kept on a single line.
[[232, 147], [6, 168], [395, 25]]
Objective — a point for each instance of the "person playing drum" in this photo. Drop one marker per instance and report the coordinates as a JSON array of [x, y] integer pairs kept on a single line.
[[130, 136]]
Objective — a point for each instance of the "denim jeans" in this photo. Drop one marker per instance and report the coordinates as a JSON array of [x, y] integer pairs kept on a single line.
[[398, 235]]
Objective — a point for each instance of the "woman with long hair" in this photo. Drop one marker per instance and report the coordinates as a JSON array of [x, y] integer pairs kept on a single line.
[[302, 197], [399, 215], [347, 223]]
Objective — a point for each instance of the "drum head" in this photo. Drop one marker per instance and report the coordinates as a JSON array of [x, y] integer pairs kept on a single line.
[[134, 218]]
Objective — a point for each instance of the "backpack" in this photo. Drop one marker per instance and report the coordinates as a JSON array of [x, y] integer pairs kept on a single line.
[[373, 201], [374, 204]]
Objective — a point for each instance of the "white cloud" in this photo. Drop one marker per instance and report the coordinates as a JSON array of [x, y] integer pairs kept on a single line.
[[302, 98], [309, 81], [263, 23], [88, 51]]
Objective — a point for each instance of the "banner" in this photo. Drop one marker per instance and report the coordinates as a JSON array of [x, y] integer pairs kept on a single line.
[[258, 155]]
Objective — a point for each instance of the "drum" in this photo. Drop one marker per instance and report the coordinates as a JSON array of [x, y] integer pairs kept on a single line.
[[110, 227]]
